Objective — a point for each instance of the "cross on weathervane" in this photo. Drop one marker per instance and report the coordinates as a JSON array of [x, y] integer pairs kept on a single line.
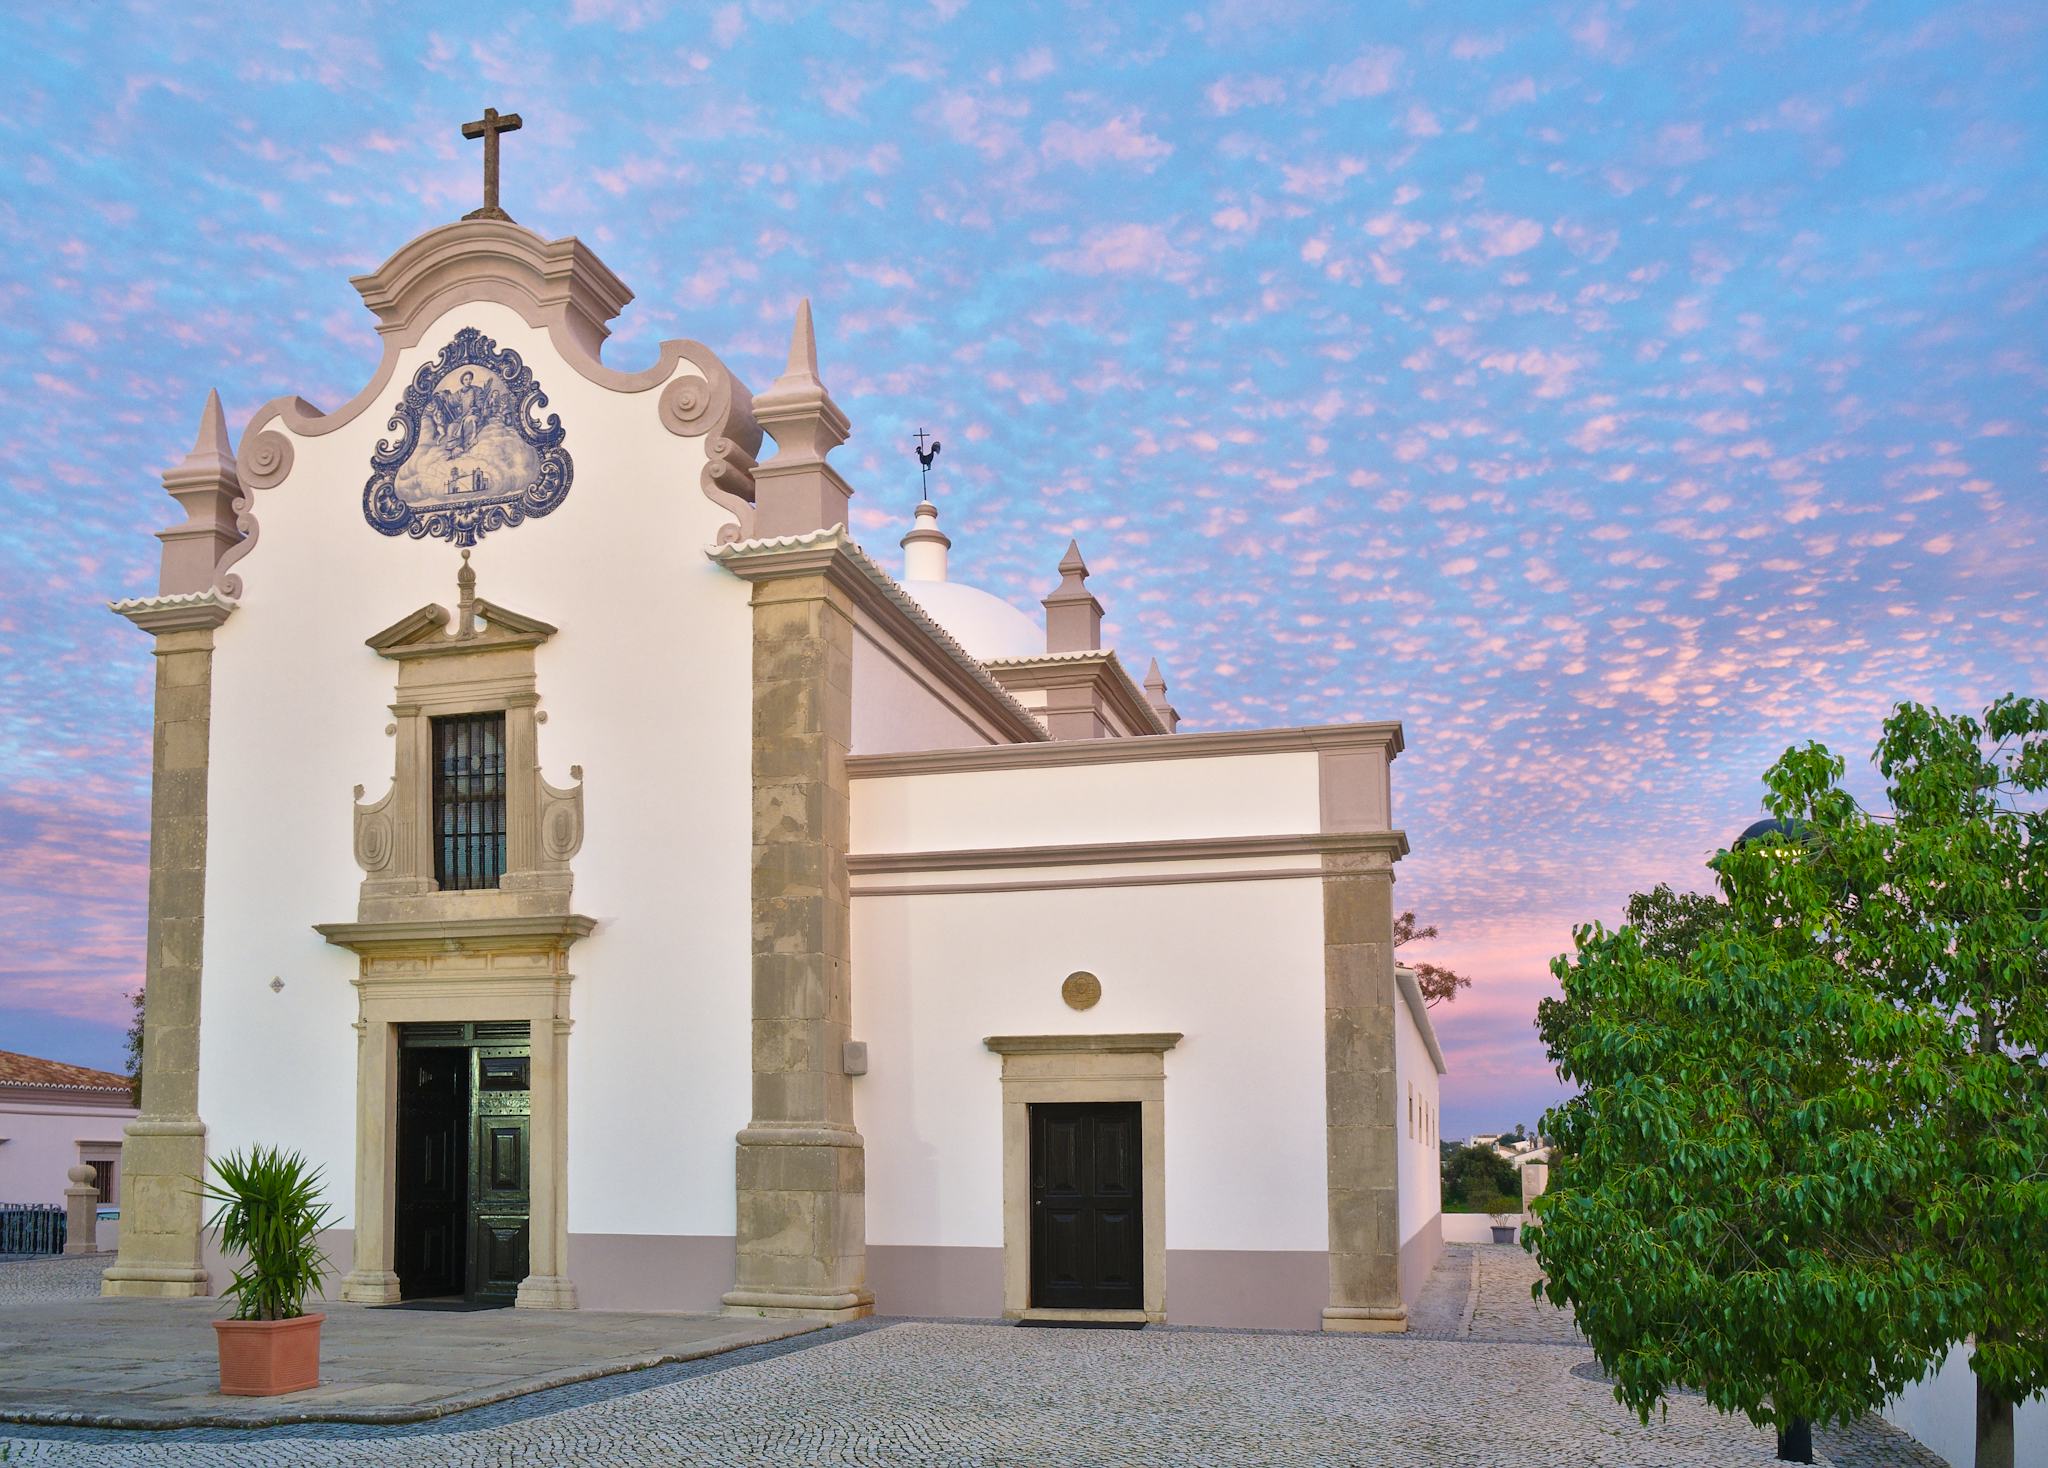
[[488, 127], [924, 462]]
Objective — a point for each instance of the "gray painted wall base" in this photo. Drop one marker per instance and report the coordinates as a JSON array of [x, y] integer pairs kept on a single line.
[[688, 1272]]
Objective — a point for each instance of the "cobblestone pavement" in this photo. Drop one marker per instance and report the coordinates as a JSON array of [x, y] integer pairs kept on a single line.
[[76, 1277], [1481, 1292], [887, 1393]]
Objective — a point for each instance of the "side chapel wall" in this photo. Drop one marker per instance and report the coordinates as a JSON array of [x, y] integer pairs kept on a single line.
[[1416, 1084], [1236, 963]]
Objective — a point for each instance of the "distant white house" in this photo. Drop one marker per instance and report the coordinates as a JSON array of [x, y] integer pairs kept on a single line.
[[53, 1117], [1519, 1150]]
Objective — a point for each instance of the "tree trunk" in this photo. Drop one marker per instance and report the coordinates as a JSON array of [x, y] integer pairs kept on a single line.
[[1994, 1429], [1795, 1441]]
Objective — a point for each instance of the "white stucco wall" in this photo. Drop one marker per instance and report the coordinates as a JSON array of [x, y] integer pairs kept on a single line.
[[1417, 1094], [896, 708], [1136, 800], [1236, 967], [646, 686], [1941, 1411], [39, 1141]]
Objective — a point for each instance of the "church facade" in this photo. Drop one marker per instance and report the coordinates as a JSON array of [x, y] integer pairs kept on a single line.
[[633, 894]]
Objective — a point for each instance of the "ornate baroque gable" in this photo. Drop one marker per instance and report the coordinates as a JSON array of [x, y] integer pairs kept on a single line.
[[465, 457]]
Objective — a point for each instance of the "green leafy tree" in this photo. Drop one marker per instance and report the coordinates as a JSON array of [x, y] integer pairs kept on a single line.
[[134, 1039], [1436, 982], [1809, 1151], [1476, 1175], [1672, 924], [1941, 907]]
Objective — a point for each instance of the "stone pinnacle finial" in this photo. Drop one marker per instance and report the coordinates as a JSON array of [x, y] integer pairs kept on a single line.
[[1073, 617], [205, 483], [1155, 695], [803, 345], [1073, 570], [465, 588], [796, 491], [213, 431]]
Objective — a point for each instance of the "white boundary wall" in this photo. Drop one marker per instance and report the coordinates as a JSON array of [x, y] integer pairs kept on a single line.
[[1941, 1411]]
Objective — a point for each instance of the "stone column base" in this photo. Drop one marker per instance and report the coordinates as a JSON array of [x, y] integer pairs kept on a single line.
[[797, 1305], [155, 1282], [1366, 1319], [546, 1292], [370, 1287]]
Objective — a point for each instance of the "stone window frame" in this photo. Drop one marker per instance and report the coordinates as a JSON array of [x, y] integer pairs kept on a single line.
[[1050, 1069], [473, 670], [109, 1155]]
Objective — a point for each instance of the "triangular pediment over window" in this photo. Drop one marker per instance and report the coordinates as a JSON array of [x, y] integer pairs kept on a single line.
[[426, 632]]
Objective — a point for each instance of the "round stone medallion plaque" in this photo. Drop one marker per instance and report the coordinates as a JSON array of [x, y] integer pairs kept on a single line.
[[1081, 990]]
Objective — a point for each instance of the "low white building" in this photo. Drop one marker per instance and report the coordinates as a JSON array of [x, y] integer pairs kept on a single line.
[[54, 1117], [720, 919]]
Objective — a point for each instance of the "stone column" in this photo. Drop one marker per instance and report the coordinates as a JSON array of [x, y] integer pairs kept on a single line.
[[547, 1286], [81, 1212], [801, 1166], [165, 1148], [1362, 1111], [372, 1280]]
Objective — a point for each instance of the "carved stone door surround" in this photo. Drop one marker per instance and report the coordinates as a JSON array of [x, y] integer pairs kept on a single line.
[[1060, 1068], [497, 953]]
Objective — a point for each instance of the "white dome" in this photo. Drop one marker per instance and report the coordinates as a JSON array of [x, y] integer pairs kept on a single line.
[[986, 625]]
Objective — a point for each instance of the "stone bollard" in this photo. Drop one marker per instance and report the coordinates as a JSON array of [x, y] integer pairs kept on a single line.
[[81, 1213]]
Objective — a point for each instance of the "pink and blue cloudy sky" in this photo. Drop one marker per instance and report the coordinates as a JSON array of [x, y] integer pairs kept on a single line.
[[1613, 393]]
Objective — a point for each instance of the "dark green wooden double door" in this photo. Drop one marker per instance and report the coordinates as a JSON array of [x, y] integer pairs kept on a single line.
[[464, 1129]]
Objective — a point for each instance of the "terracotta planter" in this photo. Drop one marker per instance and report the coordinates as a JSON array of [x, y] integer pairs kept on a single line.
[[267, 1358]]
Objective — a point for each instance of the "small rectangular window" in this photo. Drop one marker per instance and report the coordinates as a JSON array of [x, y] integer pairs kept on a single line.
[[469, 801], [103, 1179]]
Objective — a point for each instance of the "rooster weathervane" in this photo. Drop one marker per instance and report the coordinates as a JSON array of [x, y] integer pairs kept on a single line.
[[924, 462]]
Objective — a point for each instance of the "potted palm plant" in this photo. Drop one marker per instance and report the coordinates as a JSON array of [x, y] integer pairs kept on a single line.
[[270, 1210], [1503, 1222]]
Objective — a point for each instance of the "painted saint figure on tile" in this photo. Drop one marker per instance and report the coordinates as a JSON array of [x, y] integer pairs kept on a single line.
[[472, 455]]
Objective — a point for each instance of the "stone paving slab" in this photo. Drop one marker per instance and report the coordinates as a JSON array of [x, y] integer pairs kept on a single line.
[[153, 1364]]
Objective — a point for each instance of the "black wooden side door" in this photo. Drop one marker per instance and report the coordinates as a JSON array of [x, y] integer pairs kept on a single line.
[[500, 1173], [1087, 1216], [431, 1223]]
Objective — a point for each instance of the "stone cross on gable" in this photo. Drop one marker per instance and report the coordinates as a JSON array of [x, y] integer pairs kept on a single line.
[[488, 127]]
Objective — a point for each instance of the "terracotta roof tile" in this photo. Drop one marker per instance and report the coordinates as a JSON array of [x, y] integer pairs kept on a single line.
[[30, 1070]]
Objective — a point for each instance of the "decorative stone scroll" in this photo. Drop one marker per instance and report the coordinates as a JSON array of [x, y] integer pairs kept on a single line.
[[723, 415], [262, 462], [561, 820]]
